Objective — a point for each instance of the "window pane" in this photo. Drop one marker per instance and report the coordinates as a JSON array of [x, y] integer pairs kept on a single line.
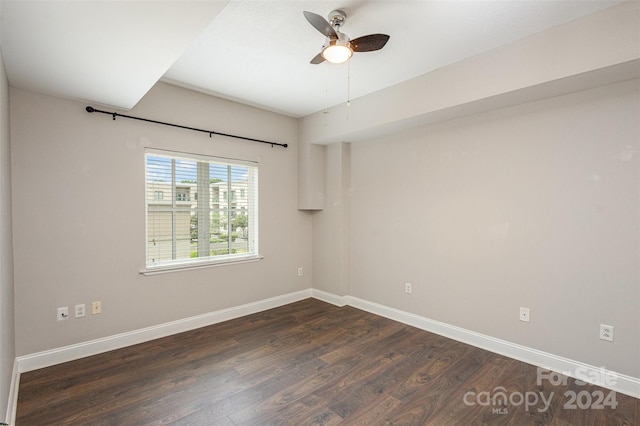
[[211, 212]]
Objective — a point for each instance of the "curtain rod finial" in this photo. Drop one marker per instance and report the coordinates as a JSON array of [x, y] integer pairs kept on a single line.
[[90, 109]]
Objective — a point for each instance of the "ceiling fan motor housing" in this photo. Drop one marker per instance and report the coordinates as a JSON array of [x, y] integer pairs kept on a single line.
[[337, 17]]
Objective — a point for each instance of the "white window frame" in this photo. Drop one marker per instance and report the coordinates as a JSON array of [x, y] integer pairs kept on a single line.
[[163, 266]]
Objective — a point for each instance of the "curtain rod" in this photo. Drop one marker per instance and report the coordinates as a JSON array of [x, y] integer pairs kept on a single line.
[[91, 109]]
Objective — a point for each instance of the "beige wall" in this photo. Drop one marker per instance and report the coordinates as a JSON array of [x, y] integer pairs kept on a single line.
[[533, 206], [79, 226], [7, 332]]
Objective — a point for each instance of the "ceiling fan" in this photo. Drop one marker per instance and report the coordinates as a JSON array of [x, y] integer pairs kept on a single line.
[[338, 47]]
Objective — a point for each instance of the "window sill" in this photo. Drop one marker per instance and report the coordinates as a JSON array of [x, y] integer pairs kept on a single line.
[[165, 269]]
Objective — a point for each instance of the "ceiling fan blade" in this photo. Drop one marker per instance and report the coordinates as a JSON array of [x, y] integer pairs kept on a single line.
[[318, 59], [369, 43], [320, 24]]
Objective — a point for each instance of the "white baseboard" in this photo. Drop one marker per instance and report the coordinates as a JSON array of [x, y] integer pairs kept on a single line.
[[69, 353], [12, 404], [329, 297], [617, 382], [624, 384]]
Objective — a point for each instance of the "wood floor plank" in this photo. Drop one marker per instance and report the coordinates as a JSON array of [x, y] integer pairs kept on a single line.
[[375, 413], [295, 391], [306, 363]]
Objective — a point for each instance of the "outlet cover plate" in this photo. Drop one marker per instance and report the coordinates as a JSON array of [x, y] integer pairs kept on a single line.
[[525, 315], [606, 332], [80, 310]]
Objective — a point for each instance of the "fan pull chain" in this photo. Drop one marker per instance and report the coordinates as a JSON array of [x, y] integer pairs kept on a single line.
[[348, 83], [326, 89]]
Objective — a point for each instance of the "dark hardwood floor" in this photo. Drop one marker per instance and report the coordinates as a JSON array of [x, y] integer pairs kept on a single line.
[[309, 363]]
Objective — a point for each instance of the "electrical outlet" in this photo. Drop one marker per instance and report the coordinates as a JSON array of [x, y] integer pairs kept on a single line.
[[606, 332], [407, 288], [300, 271], [96, 308], [80, 310], [63, 314], [525, 315]]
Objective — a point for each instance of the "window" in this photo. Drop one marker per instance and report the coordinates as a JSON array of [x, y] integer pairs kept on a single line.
[[182, 194], [192, 227]]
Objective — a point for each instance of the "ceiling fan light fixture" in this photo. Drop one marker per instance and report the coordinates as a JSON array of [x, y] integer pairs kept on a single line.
[[337, 51]]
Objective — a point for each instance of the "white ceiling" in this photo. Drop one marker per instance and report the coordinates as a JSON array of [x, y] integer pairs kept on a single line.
[[110, 52], [255, 52]]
